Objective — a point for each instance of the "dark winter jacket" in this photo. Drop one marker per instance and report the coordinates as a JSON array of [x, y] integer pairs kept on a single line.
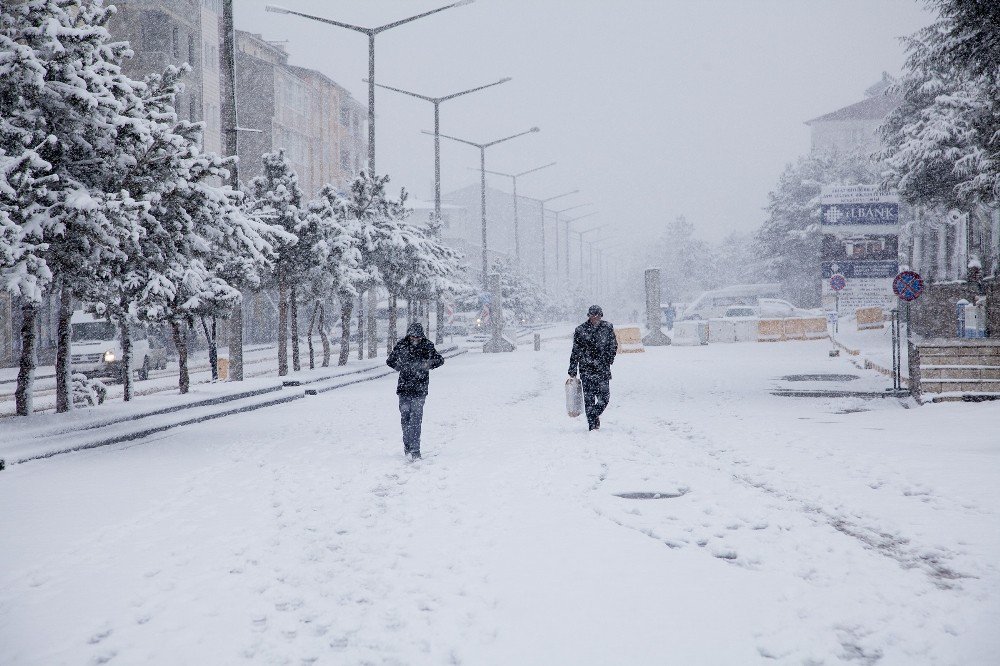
[[594, 349], [414, 361]]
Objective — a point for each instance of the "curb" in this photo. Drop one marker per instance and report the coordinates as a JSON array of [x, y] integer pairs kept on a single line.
[[450, 352]]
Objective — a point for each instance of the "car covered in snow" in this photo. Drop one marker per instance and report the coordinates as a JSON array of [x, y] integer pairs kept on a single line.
[[96, 349], [714, 303]]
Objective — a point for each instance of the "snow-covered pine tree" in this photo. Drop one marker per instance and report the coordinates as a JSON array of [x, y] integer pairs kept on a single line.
[[942, 144], [275, 197], [788, 244], [338, 261], [62, 93], [365, 208]]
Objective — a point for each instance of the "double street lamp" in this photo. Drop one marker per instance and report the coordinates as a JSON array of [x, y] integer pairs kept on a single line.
[[541, 210], [569, 222], [482, 184], [371, 33], [581, 234], [436, 101], [557, 214], [513, 177]]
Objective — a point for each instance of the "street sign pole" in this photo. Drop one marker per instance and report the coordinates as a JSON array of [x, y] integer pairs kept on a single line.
[[907, 286]]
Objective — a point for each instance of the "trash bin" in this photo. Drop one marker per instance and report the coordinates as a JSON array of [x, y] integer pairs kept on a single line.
[[223, 369], [960, 317], [975, 321]]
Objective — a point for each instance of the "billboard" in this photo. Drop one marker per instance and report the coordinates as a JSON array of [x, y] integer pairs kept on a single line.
[[861, 242]]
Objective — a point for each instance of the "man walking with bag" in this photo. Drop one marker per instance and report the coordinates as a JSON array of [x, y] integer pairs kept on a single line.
[[414, 357], [594, 349]]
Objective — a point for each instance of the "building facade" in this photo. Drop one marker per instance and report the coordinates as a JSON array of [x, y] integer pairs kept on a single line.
[[855, 127], [318, 124], [178, 32]]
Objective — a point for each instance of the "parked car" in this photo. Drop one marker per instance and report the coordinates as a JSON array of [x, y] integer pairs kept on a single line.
[[96, 349], [715, 302], [777, 308], [742, 312], [769, 308]]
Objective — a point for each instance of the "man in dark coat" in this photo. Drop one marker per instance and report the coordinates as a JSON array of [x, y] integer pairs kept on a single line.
[[594, 349], [413, 357]]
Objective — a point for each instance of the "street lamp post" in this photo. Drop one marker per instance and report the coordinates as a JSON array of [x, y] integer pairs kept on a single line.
[[558, 213], [582, 234], [513, 177], [482, 185], [541, 210], [371, 33], [569, 222], [436, 101]]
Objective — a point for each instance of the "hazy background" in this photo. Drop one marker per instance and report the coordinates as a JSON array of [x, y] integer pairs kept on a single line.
[[652, 108]]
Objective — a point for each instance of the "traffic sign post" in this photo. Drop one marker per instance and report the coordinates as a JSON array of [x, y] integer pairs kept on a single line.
[[907, 286], [837, 282]]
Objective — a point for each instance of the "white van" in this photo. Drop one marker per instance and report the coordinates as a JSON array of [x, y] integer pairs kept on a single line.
[[714, 303], [96, 349]]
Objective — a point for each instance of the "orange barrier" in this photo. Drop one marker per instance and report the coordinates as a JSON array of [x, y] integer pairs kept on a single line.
[[629, 340], [803, 328], [770, 330], [869, 318]]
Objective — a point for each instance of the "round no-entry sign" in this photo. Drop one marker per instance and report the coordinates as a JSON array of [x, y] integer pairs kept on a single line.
[[908, 286], [837, 282]]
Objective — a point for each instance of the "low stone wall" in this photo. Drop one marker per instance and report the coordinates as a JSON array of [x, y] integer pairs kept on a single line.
[[955, 366], [933, 314]]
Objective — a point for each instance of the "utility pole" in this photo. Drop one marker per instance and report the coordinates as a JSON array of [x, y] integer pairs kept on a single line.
[[231, 138]]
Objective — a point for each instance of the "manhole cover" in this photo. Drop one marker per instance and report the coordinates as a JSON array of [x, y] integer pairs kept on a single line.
[[649, 495], [820, 378]]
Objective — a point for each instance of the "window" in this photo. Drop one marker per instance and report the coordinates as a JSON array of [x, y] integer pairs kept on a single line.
[[191, 59], [345, 159], [345, 116], [175, 36]]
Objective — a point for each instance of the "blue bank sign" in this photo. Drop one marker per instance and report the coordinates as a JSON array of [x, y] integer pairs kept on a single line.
[[857, 214], [858, 206]]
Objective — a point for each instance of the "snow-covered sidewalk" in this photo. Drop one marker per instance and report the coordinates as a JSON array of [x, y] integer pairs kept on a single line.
[[788, 530]]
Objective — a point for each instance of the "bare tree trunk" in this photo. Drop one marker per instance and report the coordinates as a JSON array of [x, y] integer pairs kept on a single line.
[[282, 325], [24, 399], [293, 307], [312, 322], [439, 324], [126, 366], [361, 326], [372, 328], [213, 347], [64, 370], [323, 336], [236, 342], [390, 334], [346, 306], [182, 356]]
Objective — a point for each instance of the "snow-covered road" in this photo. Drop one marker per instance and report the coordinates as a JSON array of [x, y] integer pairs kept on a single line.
[[790, 530]]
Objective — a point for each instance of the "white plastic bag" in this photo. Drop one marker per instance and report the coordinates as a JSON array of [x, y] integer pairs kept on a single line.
[[574, 396]]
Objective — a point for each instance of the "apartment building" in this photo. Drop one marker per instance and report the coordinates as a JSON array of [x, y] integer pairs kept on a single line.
[[318, 124], [175, 32]]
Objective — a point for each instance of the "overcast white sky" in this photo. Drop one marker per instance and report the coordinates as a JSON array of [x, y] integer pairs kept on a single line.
[[652, 108]]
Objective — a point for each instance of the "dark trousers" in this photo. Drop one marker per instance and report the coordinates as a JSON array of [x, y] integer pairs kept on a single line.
[[411, 415], [596, 394]]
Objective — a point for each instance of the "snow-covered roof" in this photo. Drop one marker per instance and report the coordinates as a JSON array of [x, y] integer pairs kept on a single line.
[[873, 108]]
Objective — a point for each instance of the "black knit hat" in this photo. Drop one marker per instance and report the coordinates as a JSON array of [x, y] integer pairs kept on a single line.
[[416, 330], [595, 310]]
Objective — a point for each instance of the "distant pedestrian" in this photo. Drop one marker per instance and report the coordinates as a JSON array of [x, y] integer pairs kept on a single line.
[[594, 349], [669, 315], [413, 357]]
